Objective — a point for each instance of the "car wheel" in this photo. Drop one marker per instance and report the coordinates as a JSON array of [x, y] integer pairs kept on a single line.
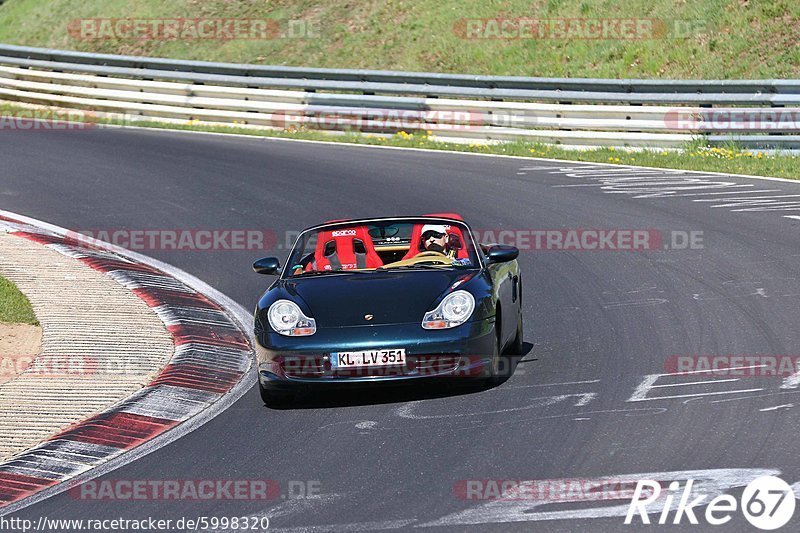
[[516, 345], [495, 369]]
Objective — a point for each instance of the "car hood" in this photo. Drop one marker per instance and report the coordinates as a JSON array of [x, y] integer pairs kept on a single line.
[[390, 297]]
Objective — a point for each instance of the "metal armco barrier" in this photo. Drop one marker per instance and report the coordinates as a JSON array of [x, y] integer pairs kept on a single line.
[[756, 114]]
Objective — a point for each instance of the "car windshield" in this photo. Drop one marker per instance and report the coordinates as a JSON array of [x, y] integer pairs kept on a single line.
[[383, 244]]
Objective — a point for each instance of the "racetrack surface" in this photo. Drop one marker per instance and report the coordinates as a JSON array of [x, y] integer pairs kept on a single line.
[[599, 322]]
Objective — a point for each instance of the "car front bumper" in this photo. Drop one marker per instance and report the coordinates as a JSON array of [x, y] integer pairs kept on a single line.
[[464, 351]]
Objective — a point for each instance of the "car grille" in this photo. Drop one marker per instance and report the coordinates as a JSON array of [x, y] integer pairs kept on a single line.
[[303, 367], [432, 365]]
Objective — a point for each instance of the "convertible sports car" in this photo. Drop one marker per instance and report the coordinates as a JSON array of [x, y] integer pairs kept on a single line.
[[387, 299]]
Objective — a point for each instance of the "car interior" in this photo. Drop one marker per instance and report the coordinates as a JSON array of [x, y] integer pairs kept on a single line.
[[366, 247]]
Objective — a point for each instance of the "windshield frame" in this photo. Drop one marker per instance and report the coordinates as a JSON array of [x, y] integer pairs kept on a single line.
[[418, 219]]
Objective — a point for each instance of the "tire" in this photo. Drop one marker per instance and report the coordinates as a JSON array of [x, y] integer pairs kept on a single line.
[[516, 345], [495, 371]]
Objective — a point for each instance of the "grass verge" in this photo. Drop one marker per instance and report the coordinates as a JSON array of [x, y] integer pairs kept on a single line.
[[694, 156], [14, 306], [729, 39]]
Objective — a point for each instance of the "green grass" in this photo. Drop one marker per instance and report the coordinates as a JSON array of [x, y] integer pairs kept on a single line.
[[709, 39], [14, 306], [694, 156]]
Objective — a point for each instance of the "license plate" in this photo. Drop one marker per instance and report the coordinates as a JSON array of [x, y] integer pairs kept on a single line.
[[368, 358]]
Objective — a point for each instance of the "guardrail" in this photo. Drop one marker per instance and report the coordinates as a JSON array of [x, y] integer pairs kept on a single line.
[[460, 108]]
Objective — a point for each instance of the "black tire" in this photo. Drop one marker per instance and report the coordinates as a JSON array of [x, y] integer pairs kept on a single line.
[[516, 345], [496, 367]]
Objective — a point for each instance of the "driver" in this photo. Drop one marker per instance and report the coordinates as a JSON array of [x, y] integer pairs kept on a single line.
[[434, 238]]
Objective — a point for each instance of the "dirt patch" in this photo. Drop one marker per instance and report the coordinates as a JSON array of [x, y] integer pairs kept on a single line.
[[19, 344]]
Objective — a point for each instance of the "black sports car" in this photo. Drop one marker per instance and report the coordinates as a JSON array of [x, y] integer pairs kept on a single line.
[[387, 299]]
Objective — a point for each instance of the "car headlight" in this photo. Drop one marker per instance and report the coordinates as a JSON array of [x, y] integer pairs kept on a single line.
[[455, 309], [286, 318]]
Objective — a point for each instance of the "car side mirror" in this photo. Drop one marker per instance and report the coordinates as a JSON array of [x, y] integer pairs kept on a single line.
[[501, 253], [267, 265]]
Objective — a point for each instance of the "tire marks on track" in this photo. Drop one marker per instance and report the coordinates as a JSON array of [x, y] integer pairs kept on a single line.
[[648, 183]]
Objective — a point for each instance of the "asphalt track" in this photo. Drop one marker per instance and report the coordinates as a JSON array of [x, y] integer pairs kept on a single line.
[[599, 322]]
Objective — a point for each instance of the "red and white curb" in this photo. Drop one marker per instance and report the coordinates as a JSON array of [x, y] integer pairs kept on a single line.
[[209, 370]]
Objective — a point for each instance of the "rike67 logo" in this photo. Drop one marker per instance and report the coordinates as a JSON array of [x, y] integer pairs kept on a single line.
[[767, 503]]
